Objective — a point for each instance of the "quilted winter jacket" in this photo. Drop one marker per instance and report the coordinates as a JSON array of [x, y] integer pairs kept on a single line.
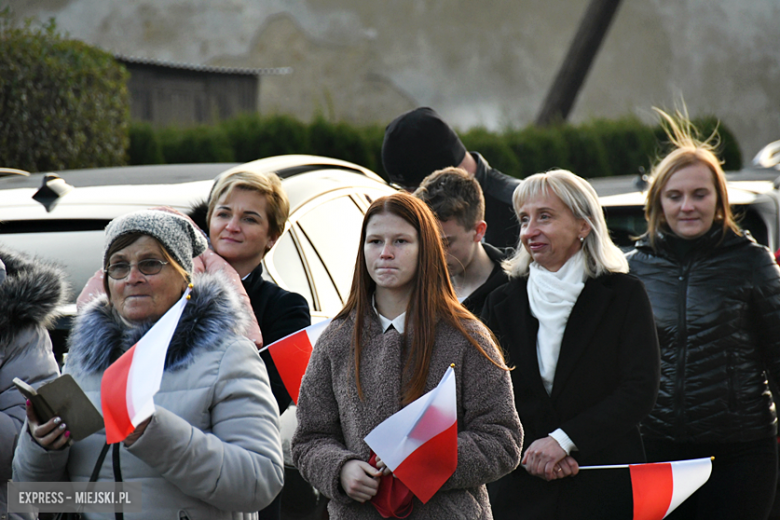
[[717, 312], [212, 449]]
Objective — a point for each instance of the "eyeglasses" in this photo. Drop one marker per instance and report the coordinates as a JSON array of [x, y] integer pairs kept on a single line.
[[147, 267]]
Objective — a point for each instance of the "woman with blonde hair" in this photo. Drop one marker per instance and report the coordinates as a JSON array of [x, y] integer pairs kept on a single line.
[[247, 213], [716, 299], [580, 332], [400, 330]]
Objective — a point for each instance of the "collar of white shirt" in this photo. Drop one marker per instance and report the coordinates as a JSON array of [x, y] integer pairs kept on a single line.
[[398, 323]]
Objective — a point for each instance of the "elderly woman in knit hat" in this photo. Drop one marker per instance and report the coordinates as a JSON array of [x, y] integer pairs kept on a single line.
[[211, 449]]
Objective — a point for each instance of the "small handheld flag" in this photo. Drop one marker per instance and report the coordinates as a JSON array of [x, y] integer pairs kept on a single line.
[[420, 443], [659, 488], [128, 386], [291, 356]]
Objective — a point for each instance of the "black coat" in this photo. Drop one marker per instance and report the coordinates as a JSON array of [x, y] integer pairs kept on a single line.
[[279, 313], [605, 383], [717, 310], [497, 278], [503, 227]]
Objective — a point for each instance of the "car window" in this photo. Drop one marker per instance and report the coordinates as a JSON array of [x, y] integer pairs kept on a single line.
[[369, 195], [334, 230], [627, 223], [329, 300], [751, 220], [79, 253], [287, 264]]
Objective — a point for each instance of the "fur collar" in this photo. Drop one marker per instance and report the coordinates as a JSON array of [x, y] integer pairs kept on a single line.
[[30, 294], [100, 335]]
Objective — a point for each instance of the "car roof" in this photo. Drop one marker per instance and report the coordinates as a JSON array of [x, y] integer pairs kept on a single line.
[[744, 186], [104, 193]]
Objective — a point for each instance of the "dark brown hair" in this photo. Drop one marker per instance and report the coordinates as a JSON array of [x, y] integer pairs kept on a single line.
[[432, 298], [453, 193]]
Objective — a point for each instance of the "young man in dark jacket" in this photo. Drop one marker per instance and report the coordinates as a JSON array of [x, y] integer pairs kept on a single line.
[[456, 199]]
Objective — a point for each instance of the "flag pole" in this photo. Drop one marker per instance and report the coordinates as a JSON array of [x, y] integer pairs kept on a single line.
[[622, 466]]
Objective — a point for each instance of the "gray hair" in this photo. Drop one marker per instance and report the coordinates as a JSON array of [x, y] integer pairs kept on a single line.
[[601, 254]]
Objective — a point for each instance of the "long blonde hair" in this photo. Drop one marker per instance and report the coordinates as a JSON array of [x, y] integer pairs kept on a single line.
[[601, 254]]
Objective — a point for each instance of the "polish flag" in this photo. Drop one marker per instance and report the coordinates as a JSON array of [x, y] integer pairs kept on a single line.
[[128, 386], [420, 443], [659, 488], [291, 356]]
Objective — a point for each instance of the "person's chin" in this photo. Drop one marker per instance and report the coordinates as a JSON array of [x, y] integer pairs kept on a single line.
[[226, 250], [691, 230], [137, 315]]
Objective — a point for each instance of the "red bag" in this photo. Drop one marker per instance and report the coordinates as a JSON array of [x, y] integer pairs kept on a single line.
[[394, 499]]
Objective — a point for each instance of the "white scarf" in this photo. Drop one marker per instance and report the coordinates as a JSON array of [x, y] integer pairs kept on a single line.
[[552, 297]]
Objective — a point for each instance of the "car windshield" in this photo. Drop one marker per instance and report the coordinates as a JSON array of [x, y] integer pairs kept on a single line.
[[79, 253]]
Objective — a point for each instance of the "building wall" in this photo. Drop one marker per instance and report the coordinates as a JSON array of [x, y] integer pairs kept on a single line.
[[478, 62], [164, 95]]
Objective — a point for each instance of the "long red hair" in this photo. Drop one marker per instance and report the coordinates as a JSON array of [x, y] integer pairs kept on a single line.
[[432, 298]]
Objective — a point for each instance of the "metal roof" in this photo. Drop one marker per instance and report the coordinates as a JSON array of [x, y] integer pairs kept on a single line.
[[267, 71]]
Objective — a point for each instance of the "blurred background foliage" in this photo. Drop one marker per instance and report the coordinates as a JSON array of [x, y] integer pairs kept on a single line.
[[599, 148], [63, 103]]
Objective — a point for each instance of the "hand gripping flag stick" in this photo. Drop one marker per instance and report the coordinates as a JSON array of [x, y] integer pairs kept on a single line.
[[128, 386], [420, 442], [659, 488]]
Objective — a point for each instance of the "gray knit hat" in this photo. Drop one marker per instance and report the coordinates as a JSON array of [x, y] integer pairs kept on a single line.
[[177, 234]]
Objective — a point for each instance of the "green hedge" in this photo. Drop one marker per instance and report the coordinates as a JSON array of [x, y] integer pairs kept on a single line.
[[64, 103], [598, 148]]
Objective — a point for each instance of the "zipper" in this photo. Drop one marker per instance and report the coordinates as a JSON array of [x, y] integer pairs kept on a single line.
[[682, 350], [730, 370]]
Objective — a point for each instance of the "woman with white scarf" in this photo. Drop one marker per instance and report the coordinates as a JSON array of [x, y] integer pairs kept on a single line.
[[580, 334]]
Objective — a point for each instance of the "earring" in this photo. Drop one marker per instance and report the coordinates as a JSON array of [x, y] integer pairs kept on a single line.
[[582, 239]]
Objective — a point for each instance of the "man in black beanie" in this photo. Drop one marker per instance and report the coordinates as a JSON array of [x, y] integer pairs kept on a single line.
[[419, 142]]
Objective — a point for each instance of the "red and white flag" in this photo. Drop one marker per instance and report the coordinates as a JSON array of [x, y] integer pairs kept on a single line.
[[128, 386], [420, 443], [660, 487], [291, 356]]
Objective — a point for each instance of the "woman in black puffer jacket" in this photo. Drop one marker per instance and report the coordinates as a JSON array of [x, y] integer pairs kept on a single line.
[[716, 299]]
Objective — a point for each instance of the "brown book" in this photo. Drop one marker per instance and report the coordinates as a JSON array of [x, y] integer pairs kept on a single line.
[[63, 397]]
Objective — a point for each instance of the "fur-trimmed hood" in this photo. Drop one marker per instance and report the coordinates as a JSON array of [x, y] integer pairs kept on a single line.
[[32, 291], [100, 335]]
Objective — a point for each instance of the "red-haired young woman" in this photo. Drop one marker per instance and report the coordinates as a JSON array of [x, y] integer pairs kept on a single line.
[[399, 331]]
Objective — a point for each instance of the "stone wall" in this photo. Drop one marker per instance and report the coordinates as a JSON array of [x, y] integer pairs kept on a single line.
[[478, 62]]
